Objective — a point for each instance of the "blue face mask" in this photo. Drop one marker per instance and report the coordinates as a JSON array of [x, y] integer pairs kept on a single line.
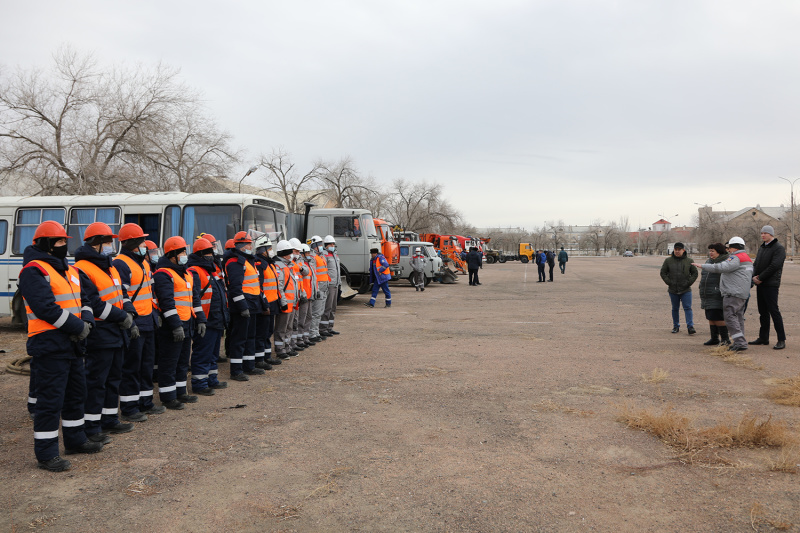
[[183, 259], [331, 248], [107, 249], [141, 250]]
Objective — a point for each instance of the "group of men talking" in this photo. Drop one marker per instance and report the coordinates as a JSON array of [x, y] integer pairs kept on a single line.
[[103, 331]]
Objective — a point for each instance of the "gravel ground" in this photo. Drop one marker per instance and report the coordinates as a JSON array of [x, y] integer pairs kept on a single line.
[[490, 408]]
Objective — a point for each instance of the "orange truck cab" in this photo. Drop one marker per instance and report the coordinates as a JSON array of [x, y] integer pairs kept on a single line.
[[389, 247], [449, 248]]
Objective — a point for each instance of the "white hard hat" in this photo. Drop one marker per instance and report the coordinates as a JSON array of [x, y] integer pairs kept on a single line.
[[329, 239], [304, 248], [417, 249], [295, 243], [315, 239], [736, 240], [262, 241], [283, 246]]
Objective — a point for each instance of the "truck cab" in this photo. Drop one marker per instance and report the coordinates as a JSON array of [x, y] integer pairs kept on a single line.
[[389, 247]]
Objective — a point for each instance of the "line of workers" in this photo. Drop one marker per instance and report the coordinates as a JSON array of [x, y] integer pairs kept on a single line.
[[101, 332]]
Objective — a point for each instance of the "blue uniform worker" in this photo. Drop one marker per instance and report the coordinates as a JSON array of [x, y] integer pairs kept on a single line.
[[379, 275]]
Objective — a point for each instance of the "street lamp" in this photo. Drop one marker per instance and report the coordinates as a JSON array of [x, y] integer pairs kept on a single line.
[[249, 171], [791, 186]]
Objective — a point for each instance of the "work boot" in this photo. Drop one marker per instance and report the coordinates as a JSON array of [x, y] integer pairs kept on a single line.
[[155, 410], [263, 364], [101, 437], [724, 338], [300, 347], [119, 427], [222, 359], [208, 391], [738, 348], [187, 398], [294, 353], [86, 447], [333, 332], [220, 385], [780, 346], [255, 372], [138, 416], [758, 341], [283, 355], [690, 330], [55, 464], [174, 404], [239, 377], [676, 329], [324, 334], [388, 304], [367, 304], [310, 342], [273, 361], [714, 340]]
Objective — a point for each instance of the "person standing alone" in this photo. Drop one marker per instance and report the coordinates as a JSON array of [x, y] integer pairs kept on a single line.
[[563, 257], [679, 274], [379, 275], [474, 262], [767, 271]]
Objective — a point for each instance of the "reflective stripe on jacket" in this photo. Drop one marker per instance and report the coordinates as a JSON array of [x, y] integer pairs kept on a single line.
[[321, 268], [67, 292], [270, 285], [205, 281], [289, 286], [109, 285], [250, 282], [140, 275]]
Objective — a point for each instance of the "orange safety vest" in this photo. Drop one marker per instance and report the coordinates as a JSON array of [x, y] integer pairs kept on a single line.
[[322, 268], [288, 287], [205, 296], [108, 285], [181, 293], [305, 281], [386, 271], [250, 282], [67, 292], [270, 286], [140, 275]]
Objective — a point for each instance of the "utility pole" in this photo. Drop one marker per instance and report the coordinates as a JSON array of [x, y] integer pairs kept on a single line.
[[791, 199]]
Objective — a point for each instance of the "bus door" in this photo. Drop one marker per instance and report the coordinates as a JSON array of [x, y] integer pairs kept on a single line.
[[7, 290]]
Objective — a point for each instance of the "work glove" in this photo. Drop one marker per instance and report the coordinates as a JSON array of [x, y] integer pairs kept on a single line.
[[284, 307], [246, 313], [83, 334], [126, 324], [178, 335], [134, 332], [201, 329]]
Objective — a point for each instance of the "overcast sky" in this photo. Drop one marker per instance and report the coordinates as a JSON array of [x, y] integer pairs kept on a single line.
[[526, 111]]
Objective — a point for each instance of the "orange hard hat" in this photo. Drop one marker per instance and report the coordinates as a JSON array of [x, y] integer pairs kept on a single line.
[[210, 238], [241, 237], [52, 229], [131, 231], [150, 245], [98, 229], [229, 245], [201, 244], [174, 243]]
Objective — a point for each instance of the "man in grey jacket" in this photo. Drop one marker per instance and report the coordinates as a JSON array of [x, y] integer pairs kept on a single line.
[[734, 284], [418, 269], [332, 258]]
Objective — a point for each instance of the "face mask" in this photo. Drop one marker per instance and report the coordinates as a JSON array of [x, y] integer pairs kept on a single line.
[[141, 250], [209, 258], [154, 258], [247, 251], [59, 251], [183, 259], [308, 258], [331, 248], [107, 249], [271, 254]]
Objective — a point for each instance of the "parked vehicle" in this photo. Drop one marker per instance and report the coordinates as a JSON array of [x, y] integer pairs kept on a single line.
[[434, 266], [450, 252], [389, 247], [160, 214]]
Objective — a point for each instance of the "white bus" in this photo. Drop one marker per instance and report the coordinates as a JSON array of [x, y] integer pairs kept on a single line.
[[161, 214]]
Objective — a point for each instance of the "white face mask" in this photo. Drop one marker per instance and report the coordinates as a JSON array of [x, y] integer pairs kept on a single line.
[[183, 259], [271, 254], [107, 249], [154, 258], [331, 248]]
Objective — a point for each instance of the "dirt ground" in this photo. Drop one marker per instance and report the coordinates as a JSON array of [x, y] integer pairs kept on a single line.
[[491, 408]]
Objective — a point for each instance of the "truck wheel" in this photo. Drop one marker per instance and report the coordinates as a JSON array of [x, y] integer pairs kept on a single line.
[[523, 259], [502, 259], [490, 259], [427, 281]]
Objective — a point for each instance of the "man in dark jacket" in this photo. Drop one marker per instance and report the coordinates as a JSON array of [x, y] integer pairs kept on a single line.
[[563, 257], [541, 260], [56, 330], [767, 270], [105, 346], [474, 262], [679, 274], [551, 262], [379, 275]]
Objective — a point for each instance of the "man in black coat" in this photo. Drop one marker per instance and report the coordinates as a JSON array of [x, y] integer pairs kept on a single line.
[[767, 270], [474, 262]]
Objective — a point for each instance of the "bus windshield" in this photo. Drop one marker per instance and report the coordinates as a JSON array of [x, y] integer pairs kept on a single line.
[[260, 219], [217, 220]]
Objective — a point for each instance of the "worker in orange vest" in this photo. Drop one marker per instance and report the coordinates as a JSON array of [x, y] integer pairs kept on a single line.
[[181, 316], [287, 292], [379, 275], [265, 322], [320, 266], [214, 301], [59, 319], [308, 282], [136, 387], [244, 301]]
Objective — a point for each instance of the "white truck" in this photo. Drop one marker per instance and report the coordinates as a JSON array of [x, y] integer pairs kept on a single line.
[[433, 264]]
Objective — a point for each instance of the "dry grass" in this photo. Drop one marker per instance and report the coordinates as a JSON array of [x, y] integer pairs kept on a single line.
[[735, 358], [140, 488], [701, 445], [329, 485], [786, 391], [788, 461], [551, 406], [758, 516], [659, 375]]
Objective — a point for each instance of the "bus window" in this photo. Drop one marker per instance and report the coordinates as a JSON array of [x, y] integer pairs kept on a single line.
[[3, 235], [172, 221], [81, 217], [150, 224], [213, 219], [27, 222], [260, 219]]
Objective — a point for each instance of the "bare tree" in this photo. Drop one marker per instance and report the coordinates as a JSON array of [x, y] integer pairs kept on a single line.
[[284, 179], [420, 207], [343, 180], [74, 131]]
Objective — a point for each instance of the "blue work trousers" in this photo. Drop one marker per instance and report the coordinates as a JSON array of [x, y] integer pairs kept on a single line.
[[204, 358], [103, 376], [137, 374], [385, 288], [173, 363], [60, 396]]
